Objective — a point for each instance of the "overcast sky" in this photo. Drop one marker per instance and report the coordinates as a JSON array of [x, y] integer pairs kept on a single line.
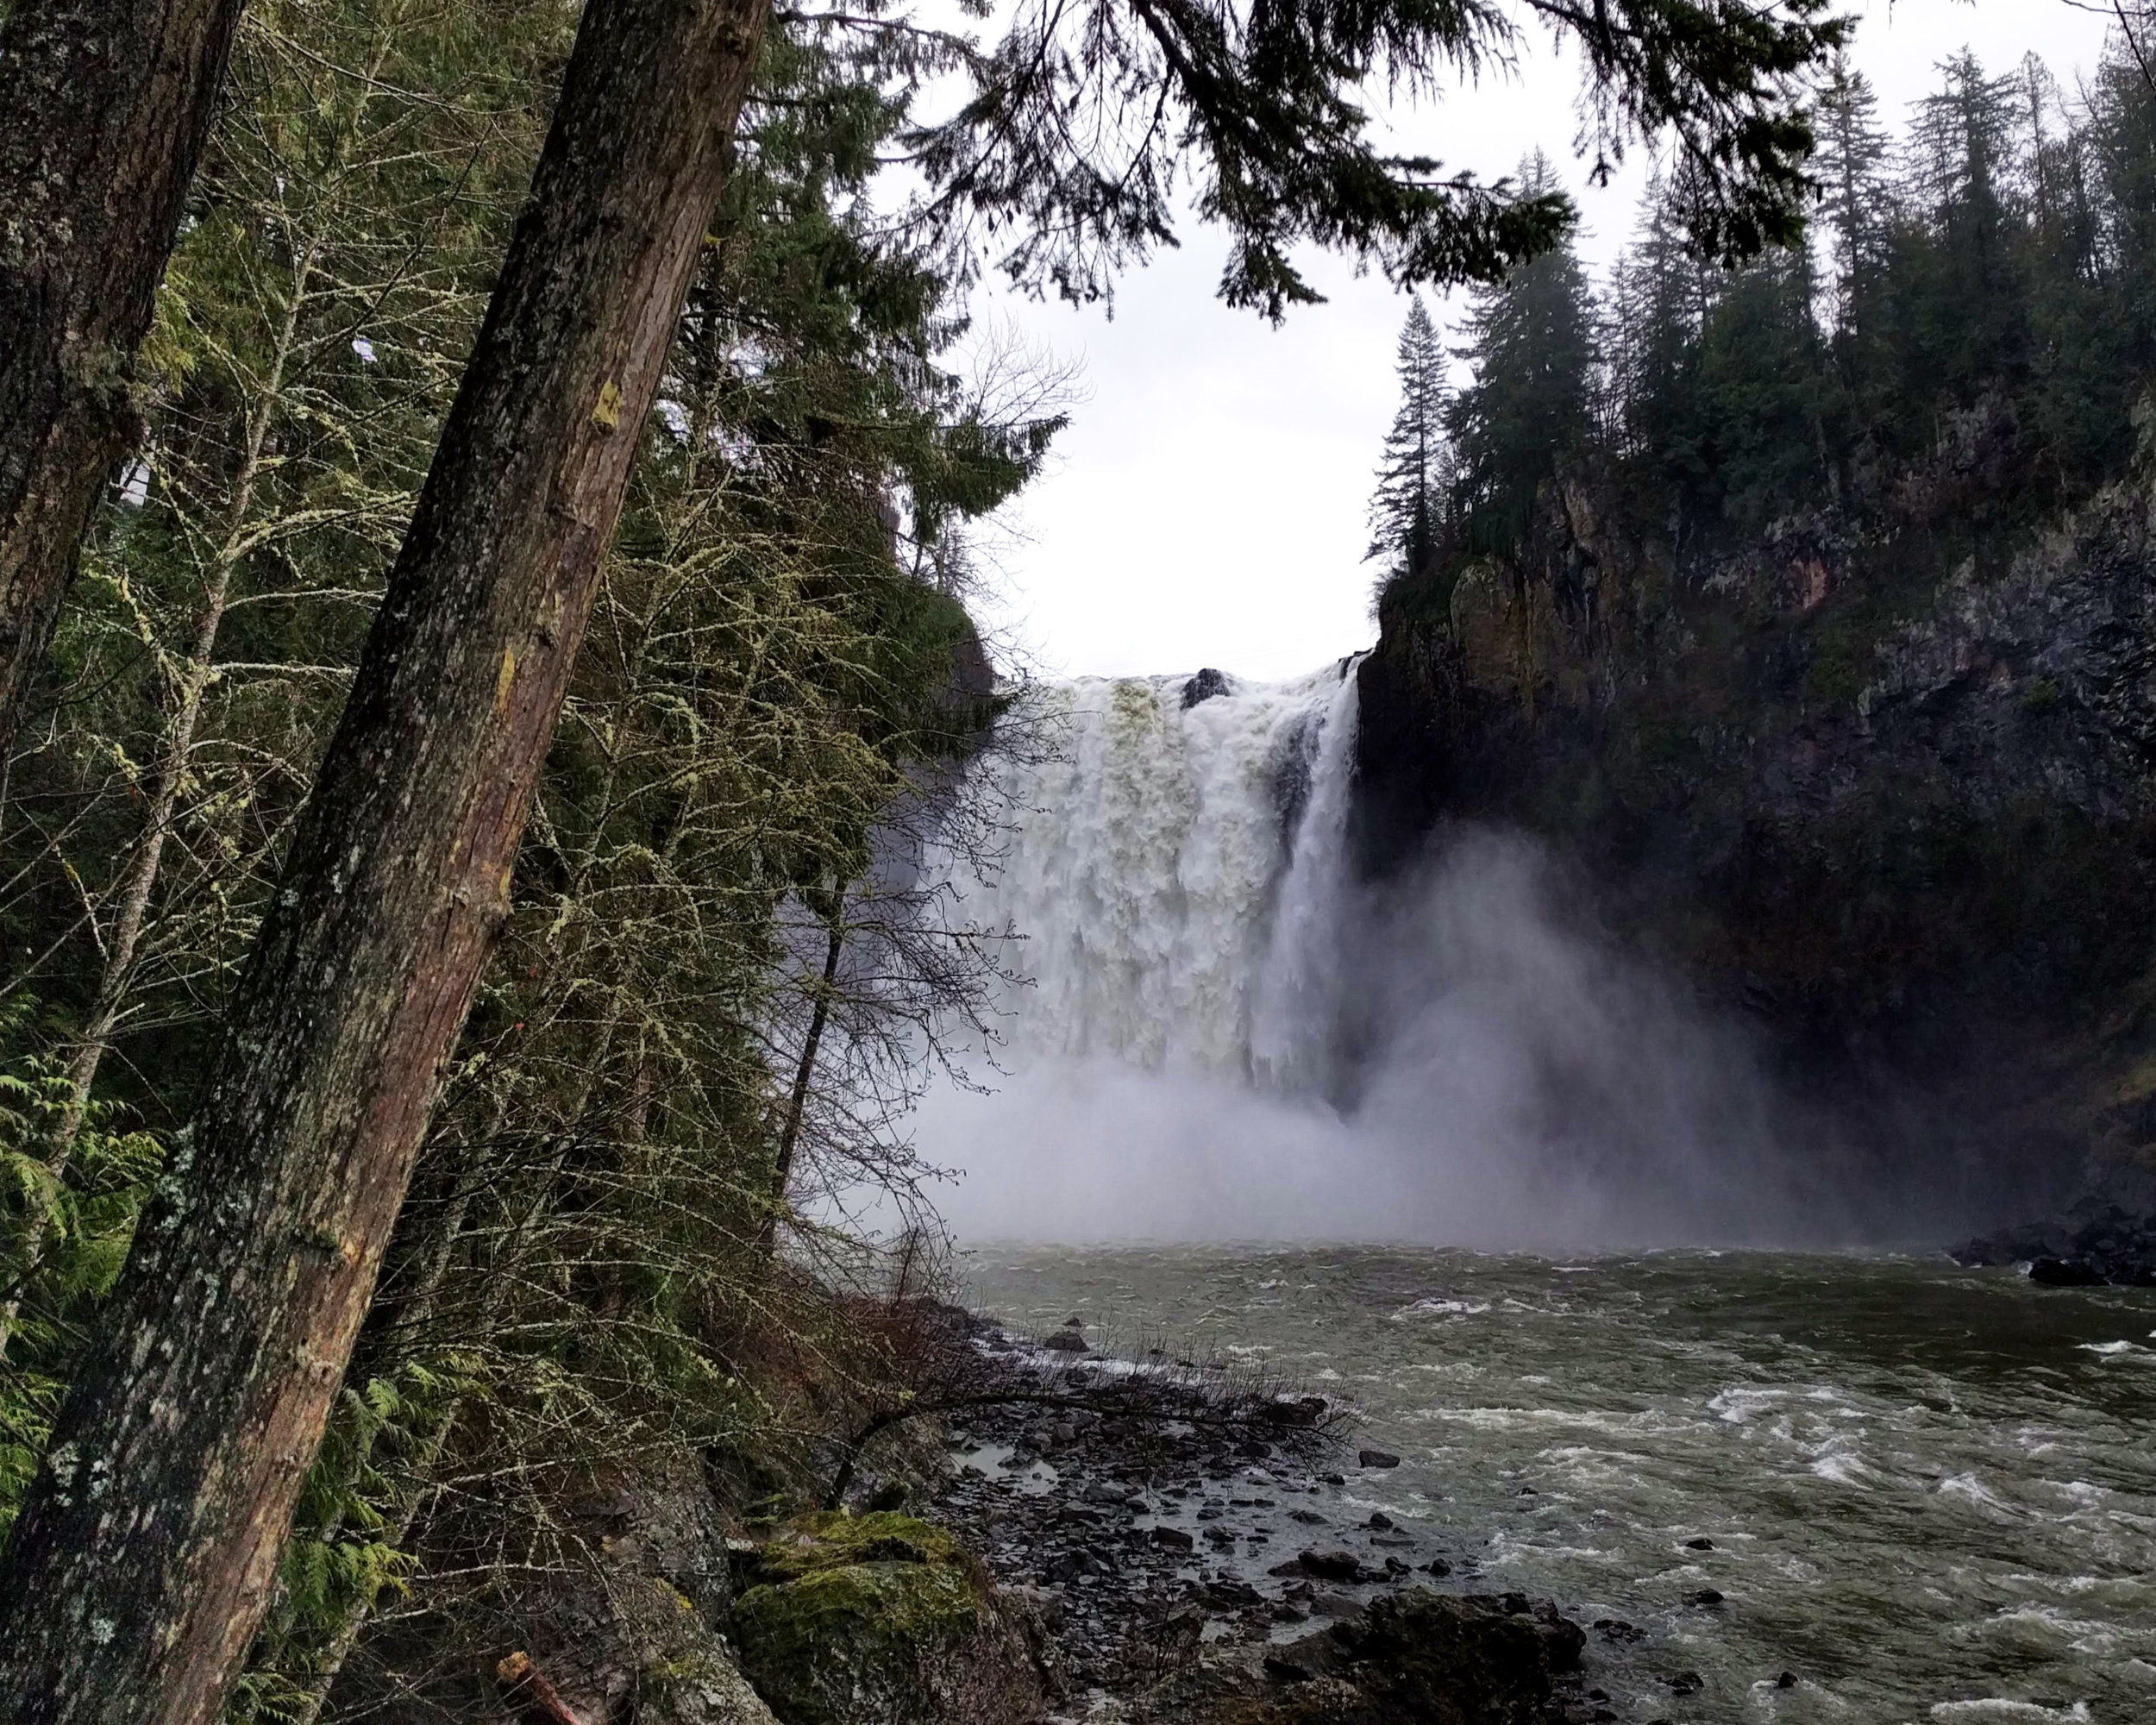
[[1206, 504]]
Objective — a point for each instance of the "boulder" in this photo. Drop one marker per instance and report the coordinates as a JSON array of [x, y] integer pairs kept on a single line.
[[1203, 688], [883, 1619]]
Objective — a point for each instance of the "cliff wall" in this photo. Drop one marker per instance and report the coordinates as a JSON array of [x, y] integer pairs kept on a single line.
[[1891, 794]]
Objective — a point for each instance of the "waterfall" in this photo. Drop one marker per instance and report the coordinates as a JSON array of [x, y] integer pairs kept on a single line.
[[1216, 1030], [1179, 846]]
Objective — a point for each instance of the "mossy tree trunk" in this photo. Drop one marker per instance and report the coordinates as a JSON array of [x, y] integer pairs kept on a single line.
[[147, 1549], [104, 108]]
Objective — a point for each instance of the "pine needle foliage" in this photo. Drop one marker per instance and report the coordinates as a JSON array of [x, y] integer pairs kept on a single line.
[[1069, 153], [1409, 504]]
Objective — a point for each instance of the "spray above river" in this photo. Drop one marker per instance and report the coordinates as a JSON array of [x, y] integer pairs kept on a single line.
[[1220, 1033]]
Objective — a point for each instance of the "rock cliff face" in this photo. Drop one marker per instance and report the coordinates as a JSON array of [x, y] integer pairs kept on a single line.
[[1892, 795]]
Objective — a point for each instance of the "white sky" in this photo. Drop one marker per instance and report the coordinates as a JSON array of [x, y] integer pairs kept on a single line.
[[1206, 504]]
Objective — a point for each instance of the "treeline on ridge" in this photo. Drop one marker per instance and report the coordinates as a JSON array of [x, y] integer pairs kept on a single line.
[[1982, 283]]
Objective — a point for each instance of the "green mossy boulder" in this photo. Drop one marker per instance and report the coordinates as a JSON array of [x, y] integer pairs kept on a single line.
[[884, 1619]]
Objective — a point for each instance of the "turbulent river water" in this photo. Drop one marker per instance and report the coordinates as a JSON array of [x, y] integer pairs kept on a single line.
[[1930, 1493]]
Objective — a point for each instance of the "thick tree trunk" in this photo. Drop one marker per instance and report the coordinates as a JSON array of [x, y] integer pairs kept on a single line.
[[145, 1552], [104, 108]]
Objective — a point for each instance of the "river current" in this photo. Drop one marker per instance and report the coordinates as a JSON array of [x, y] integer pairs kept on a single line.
[[1930, 1493], [1821, 1485]]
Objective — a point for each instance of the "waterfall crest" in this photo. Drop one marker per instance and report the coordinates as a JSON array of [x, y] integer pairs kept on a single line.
[[1180, 846]]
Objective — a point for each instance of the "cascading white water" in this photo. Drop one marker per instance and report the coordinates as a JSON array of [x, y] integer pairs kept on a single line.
[[1180, 843], [1222, 1033]]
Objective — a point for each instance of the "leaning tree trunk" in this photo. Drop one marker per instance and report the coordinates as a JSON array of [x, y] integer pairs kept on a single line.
[[104, 108], [148, 1546]]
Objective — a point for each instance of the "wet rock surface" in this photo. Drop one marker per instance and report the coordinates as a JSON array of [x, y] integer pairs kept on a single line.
[[883, 1619], [2097, 1243], [1192, 1572]]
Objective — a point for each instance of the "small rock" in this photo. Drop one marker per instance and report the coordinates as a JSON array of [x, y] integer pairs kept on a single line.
[[1787, 1680], [1705, 1595], [1698, 1544], [1375, 1459], [1686, 1683], [1067, 1341], [1285, 1671], [2063, 1272], [1380, 1520], [1173, 1537], [1330, 1565]]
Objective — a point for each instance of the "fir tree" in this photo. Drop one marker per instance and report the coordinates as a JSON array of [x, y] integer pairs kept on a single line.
[[1854, 203], [1405, 512], [1531, 342]]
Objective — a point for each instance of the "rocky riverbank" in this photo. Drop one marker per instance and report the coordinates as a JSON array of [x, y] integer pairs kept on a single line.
[[1192, 1569], [2096, 1244]]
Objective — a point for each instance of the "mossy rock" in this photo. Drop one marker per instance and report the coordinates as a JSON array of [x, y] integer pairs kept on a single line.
[[884, 1619]]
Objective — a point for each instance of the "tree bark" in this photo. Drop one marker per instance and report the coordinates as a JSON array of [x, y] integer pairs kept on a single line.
[[147, 1546], [104, 108]]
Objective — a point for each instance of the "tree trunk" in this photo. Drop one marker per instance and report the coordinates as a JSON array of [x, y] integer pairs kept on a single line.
[[804, 1074], [104, 108], [148, 1546]]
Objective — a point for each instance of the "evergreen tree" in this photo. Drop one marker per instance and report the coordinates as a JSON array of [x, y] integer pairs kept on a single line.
[[1766, 394], [1855, 200], [1659, 295], [1531, 343], [1962, 301], [1407, 507]]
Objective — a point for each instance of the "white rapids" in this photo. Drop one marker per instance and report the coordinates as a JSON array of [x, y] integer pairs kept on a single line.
[[1177, 862]]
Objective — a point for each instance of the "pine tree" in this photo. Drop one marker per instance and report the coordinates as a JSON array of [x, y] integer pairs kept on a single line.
[[1405, 512], [1659, 296], [1766, 394], [1968, 313], [1531, 343], [1851, 165], [104, 108]]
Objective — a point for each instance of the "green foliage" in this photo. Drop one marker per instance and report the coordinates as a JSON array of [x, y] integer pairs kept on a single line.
[[1409, 506], [1078, 121], [72, 1182], [1956, 351]]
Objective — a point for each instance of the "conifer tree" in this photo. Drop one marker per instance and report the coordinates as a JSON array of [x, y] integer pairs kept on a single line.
[[1532, 345], [104, 108], [1659, 295], [1854, 203], [1407, 508]]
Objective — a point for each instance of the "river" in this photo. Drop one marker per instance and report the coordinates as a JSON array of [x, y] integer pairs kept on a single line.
[[1930, 1493], [1915, 1492]]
